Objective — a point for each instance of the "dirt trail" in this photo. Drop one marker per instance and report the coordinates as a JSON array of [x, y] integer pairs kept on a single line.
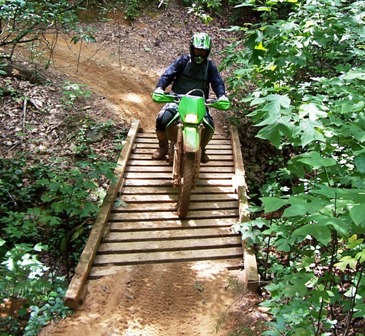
[[189, 299], [125, 90], [192, 299]]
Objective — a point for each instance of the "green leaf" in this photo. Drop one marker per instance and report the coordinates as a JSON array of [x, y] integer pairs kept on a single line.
[[318, 231], [283, 245], [120, 203], [312, 111], [298, 207], [360, 163], [273, 203], [277, 103], [314, 160], [309, 132], [354, 241], [346, 261], [360, 256], [271, 133], [354, 75], [357, 214]]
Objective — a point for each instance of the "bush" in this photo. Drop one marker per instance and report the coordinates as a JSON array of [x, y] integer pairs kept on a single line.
[[308, 101]]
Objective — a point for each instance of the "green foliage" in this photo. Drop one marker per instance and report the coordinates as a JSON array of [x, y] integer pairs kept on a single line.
[[53, 307], [203, 9], [68, 200], [131, 8], [11, 181], [24, 22], [88, 133], [47, 202], [308, 101], [72, 92], [24, 278]]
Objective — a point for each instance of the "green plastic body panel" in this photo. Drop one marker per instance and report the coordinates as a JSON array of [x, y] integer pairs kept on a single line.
[[192, 105], [191, 139]]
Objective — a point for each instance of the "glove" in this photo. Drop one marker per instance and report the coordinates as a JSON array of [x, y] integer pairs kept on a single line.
[[159, 90], [223, 98]]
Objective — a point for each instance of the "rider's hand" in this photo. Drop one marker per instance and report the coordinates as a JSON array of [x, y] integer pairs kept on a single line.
[[159, 90]]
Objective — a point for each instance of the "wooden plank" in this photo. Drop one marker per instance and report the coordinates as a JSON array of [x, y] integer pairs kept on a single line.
[[148, 175], [251, 277], [152, 134], [214, 141], [169, 233], [168, 183], [160, 169], [165, 215], [210, 146], [135, 156], [171, 206], [74, 291], [173, 197], [168, 169], [169, 189], [155, 257], [168, 175], [213, 151], [145, 225], [191, 243], [135, 190], [101, 271], [150, 162]]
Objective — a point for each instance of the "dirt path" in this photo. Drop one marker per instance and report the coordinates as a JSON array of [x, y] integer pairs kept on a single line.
[[124, 90], [167, 300], [192, 299]]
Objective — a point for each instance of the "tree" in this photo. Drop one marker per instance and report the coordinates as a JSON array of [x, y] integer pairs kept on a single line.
[[26, 22]]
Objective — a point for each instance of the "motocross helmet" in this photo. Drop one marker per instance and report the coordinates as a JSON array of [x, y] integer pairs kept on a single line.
[[200, 41]]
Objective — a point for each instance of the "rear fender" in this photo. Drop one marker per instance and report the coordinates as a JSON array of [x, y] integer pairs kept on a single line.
[[191, 139]]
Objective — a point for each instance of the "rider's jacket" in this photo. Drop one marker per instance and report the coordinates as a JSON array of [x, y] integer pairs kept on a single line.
[[185, 75]]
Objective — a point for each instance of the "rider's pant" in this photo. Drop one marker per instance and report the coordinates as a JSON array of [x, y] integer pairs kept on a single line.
[[168, 112]]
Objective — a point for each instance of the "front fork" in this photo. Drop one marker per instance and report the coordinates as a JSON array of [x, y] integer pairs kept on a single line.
[[176, 149]]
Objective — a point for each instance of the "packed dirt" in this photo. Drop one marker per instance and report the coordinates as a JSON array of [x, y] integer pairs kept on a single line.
[[166, 299], [190, 299]]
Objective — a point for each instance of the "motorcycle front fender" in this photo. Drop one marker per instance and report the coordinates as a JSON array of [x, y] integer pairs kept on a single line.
[[191, 140]]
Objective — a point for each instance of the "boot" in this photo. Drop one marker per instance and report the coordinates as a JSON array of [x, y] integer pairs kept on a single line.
[[160, 153], [207, 135], [204, 157]]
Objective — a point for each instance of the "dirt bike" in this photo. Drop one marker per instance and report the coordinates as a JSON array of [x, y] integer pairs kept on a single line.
[[184, 133]]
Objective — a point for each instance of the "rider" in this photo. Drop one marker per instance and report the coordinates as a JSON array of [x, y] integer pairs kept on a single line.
[[193, 71]]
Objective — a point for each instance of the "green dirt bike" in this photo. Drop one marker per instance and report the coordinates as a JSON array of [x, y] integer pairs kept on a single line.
[[184, 133]]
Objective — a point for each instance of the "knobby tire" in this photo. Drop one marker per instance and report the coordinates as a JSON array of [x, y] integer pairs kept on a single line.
[[187, 182]]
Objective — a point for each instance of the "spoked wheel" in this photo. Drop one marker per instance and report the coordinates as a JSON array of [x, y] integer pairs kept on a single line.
[[187, 182]]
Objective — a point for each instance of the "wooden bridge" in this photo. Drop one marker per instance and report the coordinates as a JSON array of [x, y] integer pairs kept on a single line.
[[137, 223]]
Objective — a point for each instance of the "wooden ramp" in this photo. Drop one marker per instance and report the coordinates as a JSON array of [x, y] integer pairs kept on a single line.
[[137, 223], [143, 227]]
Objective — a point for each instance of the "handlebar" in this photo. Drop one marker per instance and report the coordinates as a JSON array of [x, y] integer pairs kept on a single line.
[[171, 97]]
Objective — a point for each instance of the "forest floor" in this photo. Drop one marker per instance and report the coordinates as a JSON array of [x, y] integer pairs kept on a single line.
[[121, 70]]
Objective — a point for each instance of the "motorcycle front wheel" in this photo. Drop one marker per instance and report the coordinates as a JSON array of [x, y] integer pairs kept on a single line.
[[186, 183]]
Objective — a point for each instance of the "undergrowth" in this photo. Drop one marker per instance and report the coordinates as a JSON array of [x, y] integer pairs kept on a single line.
[[47, 207]]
